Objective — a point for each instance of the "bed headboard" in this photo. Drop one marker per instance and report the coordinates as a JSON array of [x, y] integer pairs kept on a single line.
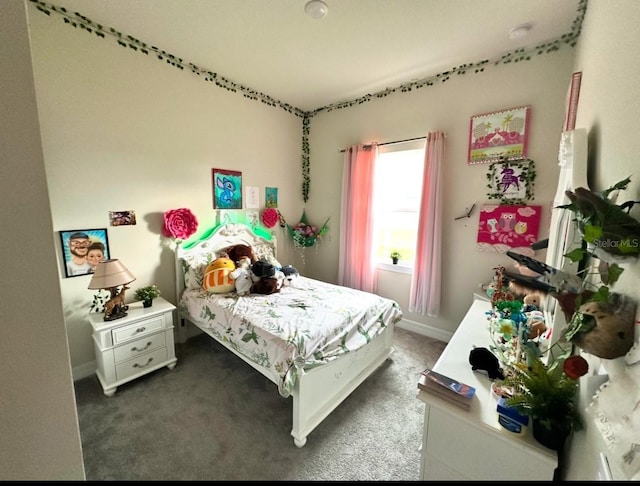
[[193, 257]]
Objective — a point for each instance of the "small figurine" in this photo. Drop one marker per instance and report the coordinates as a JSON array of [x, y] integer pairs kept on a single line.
[[484, 360]]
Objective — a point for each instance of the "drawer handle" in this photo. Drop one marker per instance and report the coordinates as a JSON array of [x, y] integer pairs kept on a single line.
[[141, 329], [141, 349], [136, 365]]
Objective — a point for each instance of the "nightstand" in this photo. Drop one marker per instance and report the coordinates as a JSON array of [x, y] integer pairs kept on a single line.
[[134, 345]]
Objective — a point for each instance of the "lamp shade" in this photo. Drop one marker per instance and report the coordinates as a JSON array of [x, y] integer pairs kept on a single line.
[[109, 274]]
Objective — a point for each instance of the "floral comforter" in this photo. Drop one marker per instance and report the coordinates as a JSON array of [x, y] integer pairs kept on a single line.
[[304, 325]]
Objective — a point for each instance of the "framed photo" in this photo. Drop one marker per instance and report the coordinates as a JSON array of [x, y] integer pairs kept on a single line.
[[511, 181], [122, 218], [227, 189], [499, 134], [83, 249]]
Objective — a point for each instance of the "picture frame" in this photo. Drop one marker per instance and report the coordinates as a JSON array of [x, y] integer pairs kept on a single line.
[[227, 189], [499, 134], [271, 197], [77, 261], [511, 181]]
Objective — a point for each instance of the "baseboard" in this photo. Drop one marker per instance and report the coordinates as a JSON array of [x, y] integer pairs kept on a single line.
[[84, 370], [425, 330]]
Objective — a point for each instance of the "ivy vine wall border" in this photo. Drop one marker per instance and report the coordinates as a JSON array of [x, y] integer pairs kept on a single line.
[[79, 21]]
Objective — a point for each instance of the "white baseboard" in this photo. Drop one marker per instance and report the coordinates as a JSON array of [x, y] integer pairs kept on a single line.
[[425, 330], [84, 370]]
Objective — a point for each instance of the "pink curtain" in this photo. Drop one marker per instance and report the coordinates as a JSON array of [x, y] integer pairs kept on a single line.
[[357, 269], [425, 282]]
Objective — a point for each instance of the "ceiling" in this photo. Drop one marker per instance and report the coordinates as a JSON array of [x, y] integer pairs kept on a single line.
[[360, 47]]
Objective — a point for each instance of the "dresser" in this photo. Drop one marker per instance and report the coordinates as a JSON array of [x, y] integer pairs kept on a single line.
[[472, 445], [134, 345]]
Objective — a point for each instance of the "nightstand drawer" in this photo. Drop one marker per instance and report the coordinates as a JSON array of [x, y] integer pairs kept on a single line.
[[142, 345], [140, 364], [137, 329]]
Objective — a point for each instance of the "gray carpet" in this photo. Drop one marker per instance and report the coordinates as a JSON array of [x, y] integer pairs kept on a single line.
[[215, 418]]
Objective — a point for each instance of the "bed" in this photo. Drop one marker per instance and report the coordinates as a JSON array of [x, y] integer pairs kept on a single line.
[[317, 342]]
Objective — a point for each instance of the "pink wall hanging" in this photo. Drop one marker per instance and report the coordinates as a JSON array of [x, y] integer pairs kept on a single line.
[[505, 227]]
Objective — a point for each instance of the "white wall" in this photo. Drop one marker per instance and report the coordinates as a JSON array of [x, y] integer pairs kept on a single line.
[[39, 435], [124, 131], [448, 107], [608, 108]]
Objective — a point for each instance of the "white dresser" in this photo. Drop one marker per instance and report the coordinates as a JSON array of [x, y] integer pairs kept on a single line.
[[134, 345], [472, 445]]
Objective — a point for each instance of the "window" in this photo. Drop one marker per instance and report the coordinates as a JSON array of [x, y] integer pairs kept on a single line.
[[396, 200]]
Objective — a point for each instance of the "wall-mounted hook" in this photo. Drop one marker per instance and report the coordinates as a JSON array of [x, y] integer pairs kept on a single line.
[[468, 215]]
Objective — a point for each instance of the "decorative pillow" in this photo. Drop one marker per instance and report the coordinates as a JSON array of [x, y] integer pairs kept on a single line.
[[217, 276], [193, 276]]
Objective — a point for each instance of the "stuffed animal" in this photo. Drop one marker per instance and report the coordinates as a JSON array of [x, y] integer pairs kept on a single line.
[[265, 286], [266, 278], [290, 275], [484, 360], [242, 276], [531, 303], [240, 250], [217, 276]]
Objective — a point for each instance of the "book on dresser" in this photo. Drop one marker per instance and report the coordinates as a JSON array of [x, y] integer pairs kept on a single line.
[[447, 388]]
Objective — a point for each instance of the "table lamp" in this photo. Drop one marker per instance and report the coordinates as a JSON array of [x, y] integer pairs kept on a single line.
[[110, 275]]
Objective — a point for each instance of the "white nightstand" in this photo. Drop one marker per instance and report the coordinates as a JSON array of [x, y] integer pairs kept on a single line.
[[134, 345]]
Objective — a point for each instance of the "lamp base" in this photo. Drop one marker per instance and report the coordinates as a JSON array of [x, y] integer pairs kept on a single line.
[[118, 312]]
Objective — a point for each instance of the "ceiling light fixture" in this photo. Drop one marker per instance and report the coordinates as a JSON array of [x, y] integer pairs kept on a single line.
[[520, 31], [316, 9]]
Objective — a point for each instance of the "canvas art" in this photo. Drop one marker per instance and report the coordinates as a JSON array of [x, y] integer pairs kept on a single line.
[[271, 197], [83, 250], [503, 227], [227, 189], [498, 134]]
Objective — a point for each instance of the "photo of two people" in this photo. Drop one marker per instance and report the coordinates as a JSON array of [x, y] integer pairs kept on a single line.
[[83, 250]]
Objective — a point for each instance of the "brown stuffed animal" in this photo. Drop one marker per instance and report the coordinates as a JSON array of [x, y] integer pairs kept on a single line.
[[236, 252], [265, 286]]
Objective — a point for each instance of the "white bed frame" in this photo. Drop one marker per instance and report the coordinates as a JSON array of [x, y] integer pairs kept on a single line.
[[318, 391]]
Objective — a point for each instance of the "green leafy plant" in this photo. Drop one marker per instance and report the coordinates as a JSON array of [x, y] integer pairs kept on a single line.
[[547, 392], [395, 255], [147, 293]]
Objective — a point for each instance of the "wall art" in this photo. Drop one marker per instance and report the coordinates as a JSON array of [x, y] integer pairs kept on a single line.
[[252, 198], [122, 218], [511, 181], [271, 197], [227, 189], [572, 101], [505, 227], [83, 249], [499, 134]]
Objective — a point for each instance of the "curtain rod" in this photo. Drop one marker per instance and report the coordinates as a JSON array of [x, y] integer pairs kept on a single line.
[[391, 143]]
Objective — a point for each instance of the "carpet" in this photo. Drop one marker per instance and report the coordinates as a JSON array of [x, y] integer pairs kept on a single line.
[[215, 418]]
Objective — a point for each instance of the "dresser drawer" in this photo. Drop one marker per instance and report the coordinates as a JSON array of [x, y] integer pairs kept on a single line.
[[140, 364], [137, 329], [142, 345]]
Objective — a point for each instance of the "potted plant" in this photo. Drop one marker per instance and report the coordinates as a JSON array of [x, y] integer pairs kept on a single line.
[[547, 394], [600, 321], [395, 256], [147, 294]]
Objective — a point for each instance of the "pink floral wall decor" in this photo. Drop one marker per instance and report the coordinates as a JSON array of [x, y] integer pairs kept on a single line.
[[505, 227], [499, 134]]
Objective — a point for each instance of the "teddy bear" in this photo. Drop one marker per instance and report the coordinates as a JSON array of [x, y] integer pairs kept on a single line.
[[242, 276], [217, 276]]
